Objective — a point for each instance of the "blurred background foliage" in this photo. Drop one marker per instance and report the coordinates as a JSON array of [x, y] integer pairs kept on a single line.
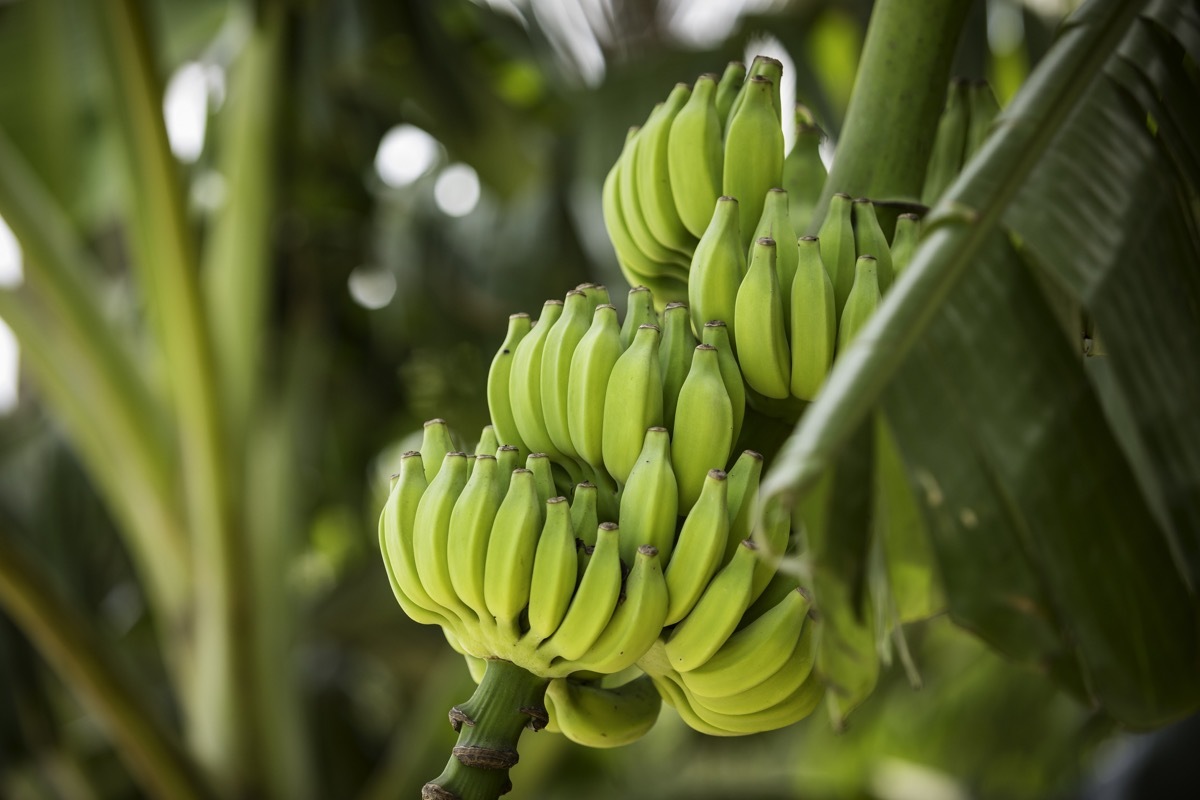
[[437, 167]]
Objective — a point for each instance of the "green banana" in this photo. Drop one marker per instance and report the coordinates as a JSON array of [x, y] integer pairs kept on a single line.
[[759, 319], [561, 342], [715, 616], [776, 224], [596, 294], [499, 404], [728, 89], [703, 434], [435, 443], [718, 266], [431, 530], [649, 503], [469, 532], [674, 356], [396, 543], [699, 549], [543, 475], [694, 156], [716, 334], [487, 443], [633, 402], [639, 311], [904, 241], [982, 111], [508, 458], [638, 620], [837, 247], [949, 144], [525, 383], [803, 170], [764, 68], [587, 381], [593, 716], [742, 481], [772, 535], [753, 154], [628, 198], [861, 304], [584, 517], [813, 321], [870, 241], [653, 174], [554, 571], [778, 686], [593, 604], [509, 565], [776, 706]]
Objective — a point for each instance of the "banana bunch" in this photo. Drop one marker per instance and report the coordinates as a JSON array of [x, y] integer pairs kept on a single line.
[[971, 108]]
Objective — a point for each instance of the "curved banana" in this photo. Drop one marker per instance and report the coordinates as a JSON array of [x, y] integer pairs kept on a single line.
[[743, 499], [759, 319], [904, 241], [699, 549], [870, 241], [470, 529], [803, 170], [718, 266], [584, 518], [715, 615], [703, 434], [597, 295], [487, 443], [753, 154], [649, 503], [511, 549], [561, 342], [694, 156], [772, 535], [861, 303], [728, 89], [543, 475], [636, 623], [593, 604], [766, 68], [633, 402], [776, 224], [778, 686], [525, 383], [653, 176], [813, 321], [674, 356], [431, 531], [633, 210], [716, 334], [593, 716], [754, 653], [949, 144], [435, 444], [508, 458], [554, 568], [803, 700], [639, 311], [587, 382], [395, 542], [499, 404], [837, 247]]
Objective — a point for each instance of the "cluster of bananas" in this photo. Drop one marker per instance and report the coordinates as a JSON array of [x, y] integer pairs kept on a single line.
[[696, 205]]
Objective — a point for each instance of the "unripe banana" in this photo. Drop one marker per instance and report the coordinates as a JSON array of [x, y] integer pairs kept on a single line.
[[754, 653], [861, 304], [759, 319], [560, 346], [753, 154], [583, 514], [763, 67], [675, 356], [788, 711], [653, 175], [776, 224], [431, 530], [511, 550], [587, 382], [525, 383], [771, 693], [699, 549], [716, 334], [904, 241], [488, 442], [638, 620], [508, 458], [396, 544], [594, 601], [718, 266], [870, 241], [803, 170], [633, 402], [703, 434], [982, 112], [837, 247], [639, 311], [470, 529], [949, 144], [715, 615], [554, 571], [593, 716], [596, 294], [649, 503], [728, 89], [499, 403], [435, 443], [543, 475], [813, 321], [772, 536], [742, 483], [694, 156]]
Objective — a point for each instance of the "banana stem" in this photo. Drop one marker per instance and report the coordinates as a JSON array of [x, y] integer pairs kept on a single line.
[[507, 701]]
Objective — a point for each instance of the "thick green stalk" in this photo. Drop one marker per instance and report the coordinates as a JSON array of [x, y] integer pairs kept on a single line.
[[70, 645], [508, 701], [899, 91]]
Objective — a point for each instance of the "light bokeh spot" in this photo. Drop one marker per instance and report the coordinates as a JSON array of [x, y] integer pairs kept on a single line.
[[372, 287], [405, 153], [185, 109], [457, 190]]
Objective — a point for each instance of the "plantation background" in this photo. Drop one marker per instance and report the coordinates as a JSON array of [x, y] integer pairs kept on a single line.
[[431, 168]]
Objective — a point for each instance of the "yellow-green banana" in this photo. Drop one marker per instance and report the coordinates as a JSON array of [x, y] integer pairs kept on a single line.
[[435, 443], [718, 266], [771, 697], [525, 383], [674, 356], [653, 174], [764, 68], [649, 503], [431, 531], [470, 529], [813, 321], [753, 154], [594, 601], [760, 325], [861, 304], [593, 716], [543, 475], [587, 382], [699, 549], [716, 334], [904, 241], [560, 346], [639, 311], [508, 458], [715, 616], [554, 571], [742, 481], [776, 224], [728, 89], [633, 402], [638, 620], [803, 170], [509, 566], [703, 434], [949, 144], [870, 241], [694, 156], [837, 247], [499, 404], [396, 542], [488, 442], [584, 517]]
